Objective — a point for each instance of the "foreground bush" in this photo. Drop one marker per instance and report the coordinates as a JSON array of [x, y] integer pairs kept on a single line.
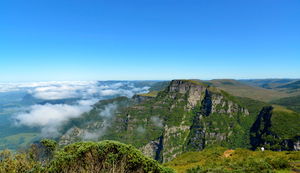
[[105, 156]]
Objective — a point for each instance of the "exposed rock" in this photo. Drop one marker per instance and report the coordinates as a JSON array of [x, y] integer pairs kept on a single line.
[[297, 144], [152, 149], [70, 136]]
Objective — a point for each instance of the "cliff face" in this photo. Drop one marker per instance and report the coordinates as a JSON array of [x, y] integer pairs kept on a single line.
[[187, 115], [276, 129], [91, 126]]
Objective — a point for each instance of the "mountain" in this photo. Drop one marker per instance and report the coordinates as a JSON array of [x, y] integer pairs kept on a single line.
[[185, 116], [276, 128]]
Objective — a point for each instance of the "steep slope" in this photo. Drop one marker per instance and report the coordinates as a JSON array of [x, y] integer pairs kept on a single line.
[[92, 125], [276, 128], [186, 116]]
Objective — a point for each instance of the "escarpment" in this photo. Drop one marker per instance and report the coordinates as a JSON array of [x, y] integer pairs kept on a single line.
[[276, 129], [185, 116]]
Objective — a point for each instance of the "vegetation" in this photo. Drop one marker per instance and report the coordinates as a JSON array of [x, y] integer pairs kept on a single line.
[[293, 85], [16, 141], [105, 156], [159, 86], [275, 128], [253, 90], [219, 159], [292, 103], [150, 94]]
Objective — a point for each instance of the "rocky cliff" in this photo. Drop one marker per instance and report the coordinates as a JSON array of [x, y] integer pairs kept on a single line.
[[186, 116], [276, 129]]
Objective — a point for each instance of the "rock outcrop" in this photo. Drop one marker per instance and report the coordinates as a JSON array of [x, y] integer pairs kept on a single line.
[[273, 129], [191, 116]]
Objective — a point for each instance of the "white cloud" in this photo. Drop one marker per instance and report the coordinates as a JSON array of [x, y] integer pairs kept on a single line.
[[73, 89], [158, 122], [50, 117], [91, 136], [141, 130], [108, 110]]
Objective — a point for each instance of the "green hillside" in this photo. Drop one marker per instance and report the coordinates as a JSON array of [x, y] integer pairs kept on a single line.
[[236, 88], [222, 160], [185, 116], [292, 103], [276, 128], [188, 116], [292, 85], [94, 122], [16, 141]]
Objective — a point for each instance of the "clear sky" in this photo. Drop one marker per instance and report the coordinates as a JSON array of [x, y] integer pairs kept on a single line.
[[148, 39]]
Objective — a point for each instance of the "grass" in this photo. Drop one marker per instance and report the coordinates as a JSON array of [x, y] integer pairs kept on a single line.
[[241, 160], [21, 139], [150, 94], [235, 88], [292, 103], [281, 108], [285, 123]]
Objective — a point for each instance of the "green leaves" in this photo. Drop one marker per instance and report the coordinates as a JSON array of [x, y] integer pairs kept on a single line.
[[50, 145], [103, 156]]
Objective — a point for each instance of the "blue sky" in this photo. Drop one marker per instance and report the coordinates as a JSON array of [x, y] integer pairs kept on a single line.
[[148, 39]]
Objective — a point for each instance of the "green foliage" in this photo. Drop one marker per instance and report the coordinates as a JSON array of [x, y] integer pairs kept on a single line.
[[140, 117], [240, 160], [49, 144], [275, 129], [229, 97], [253, 106], [104, 156], [292, 103], [150, 94], [285, 124], [13, 142], [26, 160]]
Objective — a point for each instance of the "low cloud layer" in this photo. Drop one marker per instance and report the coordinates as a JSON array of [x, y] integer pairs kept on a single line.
[[51, 117], [73, 89]]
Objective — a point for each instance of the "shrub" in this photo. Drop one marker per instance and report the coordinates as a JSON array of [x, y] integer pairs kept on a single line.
[[105, 156]]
